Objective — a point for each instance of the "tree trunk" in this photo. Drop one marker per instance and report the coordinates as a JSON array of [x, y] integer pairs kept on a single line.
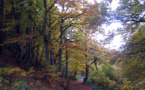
[[87, 73], [44, 32], [29, 57], [66, 63], [1, 27], [51, 57], [95, 62], [19, 47], [75, 74], [50, 41], [29, 49], [65, 74], [37, 54], [20, 55], [60, 60], [60, 50]]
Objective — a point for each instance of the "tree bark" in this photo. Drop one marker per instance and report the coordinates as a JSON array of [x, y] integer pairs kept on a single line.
[[87, 73], [44, 32], [1, 27], [95, 62], [65, 74], [51, 57], [29, 49], [61, 43], [50, 41], [66, 63]]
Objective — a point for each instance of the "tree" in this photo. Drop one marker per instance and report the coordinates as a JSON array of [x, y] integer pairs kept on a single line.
[[1, 26], [131, 11], [51, 34], [46, 38], [134, 51], [69, 15]]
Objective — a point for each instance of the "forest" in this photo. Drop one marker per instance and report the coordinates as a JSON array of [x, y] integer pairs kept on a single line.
[[50, 45]]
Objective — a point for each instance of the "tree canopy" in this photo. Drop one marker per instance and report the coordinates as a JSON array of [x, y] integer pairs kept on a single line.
[[52, 40]]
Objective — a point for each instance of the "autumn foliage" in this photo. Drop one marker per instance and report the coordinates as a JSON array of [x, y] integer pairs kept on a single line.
[[52, 41]]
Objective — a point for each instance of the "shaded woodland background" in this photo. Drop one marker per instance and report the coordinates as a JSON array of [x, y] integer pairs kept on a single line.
[[48, 43]]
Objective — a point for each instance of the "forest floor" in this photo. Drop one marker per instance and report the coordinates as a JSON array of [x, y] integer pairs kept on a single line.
[[7, 60], [79, 85]]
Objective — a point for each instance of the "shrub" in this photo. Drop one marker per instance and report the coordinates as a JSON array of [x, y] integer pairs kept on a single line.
[[108, 70], [20, 84], [104, 77], [126, 87]]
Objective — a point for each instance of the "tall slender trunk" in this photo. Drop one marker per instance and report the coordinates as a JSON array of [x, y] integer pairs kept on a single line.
[[29, 49], [65, 74], [50, 41], [37, 54], [51, 57], [44, 32], [17, 17], [1, 26], [66, 63], [60, 59], [60, 49], [87, 66]]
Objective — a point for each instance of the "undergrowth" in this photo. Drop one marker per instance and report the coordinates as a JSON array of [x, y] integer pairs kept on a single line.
[[18, 79]]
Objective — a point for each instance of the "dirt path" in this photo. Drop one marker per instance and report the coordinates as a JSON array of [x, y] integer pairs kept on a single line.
[[79, 85]]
